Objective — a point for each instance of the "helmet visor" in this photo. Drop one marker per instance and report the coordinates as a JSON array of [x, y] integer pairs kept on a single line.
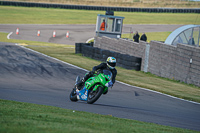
[[112, 64]]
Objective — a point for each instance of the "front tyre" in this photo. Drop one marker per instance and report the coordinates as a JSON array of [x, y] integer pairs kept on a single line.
[[73, 96], [94, 95]]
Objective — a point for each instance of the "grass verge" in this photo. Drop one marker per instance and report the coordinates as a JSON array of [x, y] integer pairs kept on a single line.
[[33, 15], [21, 117], [146, 80]]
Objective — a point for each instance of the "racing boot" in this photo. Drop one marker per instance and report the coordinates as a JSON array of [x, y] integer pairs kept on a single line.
[[82, 81]]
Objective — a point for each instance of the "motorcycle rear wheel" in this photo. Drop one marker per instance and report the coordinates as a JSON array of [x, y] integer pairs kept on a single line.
[[93, 96], [73, 96]]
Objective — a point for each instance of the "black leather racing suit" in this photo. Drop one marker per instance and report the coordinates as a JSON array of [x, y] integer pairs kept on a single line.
[[103, 66], [100, 67]]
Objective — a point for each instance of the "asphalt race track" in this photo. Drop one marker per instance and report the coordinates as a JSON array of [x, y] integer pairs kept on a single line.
[[77, 33], [27, 76], [30, 77]]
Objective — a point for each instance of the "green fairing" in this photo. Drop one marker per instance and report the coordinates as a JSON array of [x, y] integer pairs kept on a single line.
[[97, 80]]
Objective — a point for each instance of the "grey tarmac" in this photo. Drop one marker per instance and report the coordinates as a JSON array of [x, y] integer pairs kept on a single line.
[[27, 76], [77, 33]]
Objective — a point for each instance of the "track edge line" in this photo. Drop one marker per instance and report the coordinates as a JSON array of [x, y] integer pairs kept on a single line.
[[116, 81]]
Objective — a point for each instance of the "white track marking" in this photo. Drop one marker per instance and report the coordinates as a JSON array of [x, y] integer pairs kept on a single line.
[[89, 40], [51, 57], [158, 93], [116, 81], [8, 36]]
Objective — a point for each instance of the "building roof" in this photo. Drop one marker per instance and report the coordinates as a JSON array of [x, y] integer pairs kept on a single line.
[[176, 33]]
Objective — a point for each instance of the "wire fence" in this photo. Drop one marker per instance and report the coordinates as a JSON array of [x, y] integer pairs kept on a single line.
[[102, 8], [124, 3]]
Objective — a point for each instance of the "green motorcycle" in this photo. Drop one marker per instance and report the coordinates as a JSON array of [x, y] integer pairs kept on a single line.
[[93, 88]]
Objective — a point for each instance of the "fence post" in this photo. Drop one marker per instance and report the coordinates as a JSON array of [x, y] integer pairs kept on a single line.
[[146, 60]]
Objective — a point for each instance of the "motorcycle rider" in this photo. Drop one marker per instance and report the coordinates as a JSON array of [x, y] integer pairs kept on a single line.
[[109, 65]]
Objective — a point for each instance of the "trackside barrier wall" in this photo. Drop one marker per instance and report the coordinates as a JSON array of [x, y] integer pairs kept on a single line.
[[102, 8], [122, 46], [123, 60], [181, 62]]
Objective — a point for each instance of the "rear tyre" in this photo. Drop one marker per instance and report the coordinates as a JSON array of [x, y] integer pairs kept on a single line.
[[73, 96], [93, 96]]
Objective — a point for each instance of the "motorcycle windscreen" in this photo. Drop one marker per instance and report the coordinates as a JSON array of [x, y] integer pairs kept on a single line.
[[107, 73]]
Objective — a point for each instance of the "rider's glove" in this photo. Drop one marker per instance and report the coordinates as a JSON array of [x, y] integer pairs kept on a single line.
[[109, 84], [91, 73]]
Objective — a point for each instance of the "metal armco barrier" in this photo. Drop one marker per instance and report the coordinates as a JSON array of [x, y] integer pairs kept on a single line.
[[123, 60], [103, 8]]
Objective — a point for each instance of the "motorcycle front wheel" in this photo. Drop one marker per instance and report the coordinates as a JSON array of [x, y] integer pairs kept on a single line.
[[73, 96], [93, 96]]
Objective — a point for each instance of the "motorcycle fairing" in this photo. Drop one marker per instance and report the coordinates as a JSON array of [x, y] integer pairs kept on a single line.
[[96, 80], [83, 94]]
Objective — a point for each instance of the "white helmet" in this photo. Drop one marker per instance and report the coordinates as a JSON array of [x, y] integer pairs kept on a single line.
[[111, 62]]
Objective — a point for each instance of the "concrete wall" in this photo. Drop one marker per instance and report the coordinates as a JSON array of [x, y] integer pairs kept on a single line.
[[122, 46], [174, 62], [123, 60], [163, 60]]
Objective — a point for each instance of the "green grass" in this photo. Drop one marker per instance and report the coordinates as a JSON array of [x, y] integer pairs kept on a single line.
[[31, 15], [19, 117], [67, 53]]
